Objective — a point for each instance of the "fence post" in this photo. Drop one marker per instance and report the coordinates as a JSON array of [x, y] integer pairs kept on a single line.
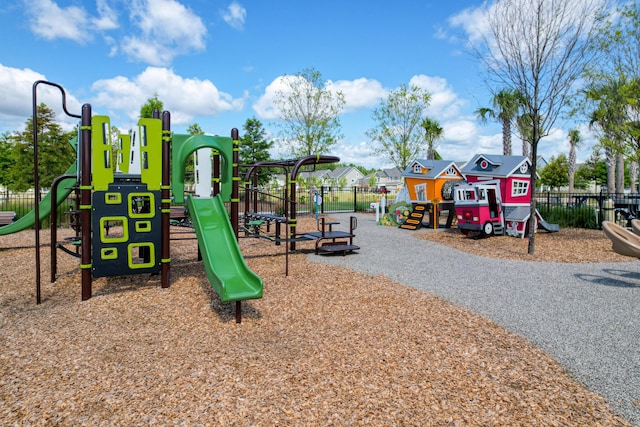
[[355, 199], [322, 198], [548, 200]]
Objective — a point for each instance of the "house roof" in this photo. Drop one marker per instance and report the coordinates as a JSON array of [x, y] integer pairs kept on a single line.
[[434, 168], [392, 173], [497, 165]]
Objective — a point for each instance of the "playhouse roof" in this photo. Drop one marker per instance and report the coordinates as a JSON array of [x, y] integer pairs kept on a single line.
[[519, 213], [495, 165], [434, 168]]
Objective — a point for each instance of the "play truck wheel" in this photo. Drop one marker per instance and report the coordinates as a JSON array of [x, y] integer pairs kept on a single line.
[[487, 228]]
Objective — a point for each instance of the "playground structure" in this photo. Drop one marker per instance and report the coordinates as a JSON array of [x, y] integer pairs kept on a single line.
[[123, 219], [623, 241], [497, 197], [488, 195], [264, 209], [429, 186]]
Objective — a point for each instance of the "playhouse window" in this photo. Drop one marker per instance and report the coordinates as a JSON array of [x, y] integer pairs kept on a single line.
[[465, 194], [417, 168], [421, 192], [451, 171], [519, 188]]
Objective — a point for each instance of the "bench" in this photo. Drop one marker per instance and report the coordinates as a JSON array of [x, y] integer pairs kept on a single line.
[[343, 247], [7, 217]]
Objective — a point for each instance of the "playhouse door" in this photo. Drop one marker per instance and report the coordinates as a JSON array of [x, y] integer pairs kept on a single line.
[[494, 205]]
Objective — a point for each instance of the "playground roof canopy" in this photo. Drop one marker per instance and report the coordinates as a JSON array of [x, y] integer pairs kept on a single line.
[[295, 164]]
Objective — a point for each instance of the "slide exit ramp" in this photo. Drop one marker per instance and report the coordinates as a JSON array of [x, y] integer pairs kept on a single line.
[[224, 264]]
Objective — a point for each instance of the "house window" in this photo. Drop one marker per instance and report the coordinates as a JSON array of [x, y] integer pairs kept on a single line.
[[519, 188], [451, 171], [417, 168]]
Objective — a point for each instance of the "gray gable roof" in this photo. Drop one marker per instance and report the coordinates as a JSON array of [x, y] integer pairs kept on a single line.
[[496, 165], [435, 168], [392, 173], [518, 213]]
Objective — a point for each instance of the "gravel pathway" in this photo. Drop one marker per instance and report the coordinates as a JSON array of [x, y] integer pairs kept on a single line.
[[587, 316]]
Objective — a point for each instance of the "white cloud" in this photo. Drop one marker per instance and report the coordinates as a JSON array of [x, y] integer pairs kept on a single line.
[[16, 104], [235, 15], [361, 154], [168, 29], [445, 103], [186, 98], [107, 17], [359, 93], [50, 21], [264, 106], [473, 21]]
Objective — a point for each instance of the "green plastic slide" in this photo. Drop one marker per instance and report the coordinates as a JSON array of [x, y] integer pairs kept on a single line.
[[224, 264], [27, 221]]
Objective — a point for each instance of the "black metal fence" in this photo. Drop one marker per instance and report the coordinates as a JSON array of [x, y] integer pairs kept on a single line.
[[588, 210], [23, 203], [322, 200], [569, 210]]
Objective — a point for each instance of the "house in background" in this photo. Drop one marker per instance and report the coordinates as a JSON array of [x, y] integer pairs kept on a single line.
[[389, 178], [347, 175]]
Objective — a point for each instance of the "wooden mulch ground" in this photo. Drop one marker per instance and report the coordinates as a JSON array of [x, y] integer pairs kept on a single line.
[[574, 245], [324, 346]]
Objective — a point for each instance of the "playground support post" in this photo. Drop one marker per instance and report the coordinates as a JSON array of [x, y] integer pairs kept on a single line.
[[235, 182], [166, 199], [36, 180], [85, 200], [54, 222], [235, 199]]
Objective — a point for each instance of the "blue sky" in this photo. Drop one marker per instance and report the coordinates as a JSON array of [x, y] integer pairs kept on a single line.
[[217, 63]]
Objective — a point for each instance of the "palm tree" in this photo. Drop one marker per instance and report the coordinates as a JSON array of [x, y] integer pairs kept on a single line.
[[574, 141], [432, 132], [525, 129], [506, 104]]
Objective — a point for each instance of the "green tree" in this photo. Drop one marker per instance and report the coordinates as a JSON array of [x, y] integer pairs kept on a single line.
[[593, 170], [432, 132], [6, 157], [310, 114], [254, 147], [574, 142], [538, 48], [373, 180], [190, 164], [506, 104], [55, 154], [154, 103], [342, 182], [608, 119], [397, 134], [556, 172], [611, 98]]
